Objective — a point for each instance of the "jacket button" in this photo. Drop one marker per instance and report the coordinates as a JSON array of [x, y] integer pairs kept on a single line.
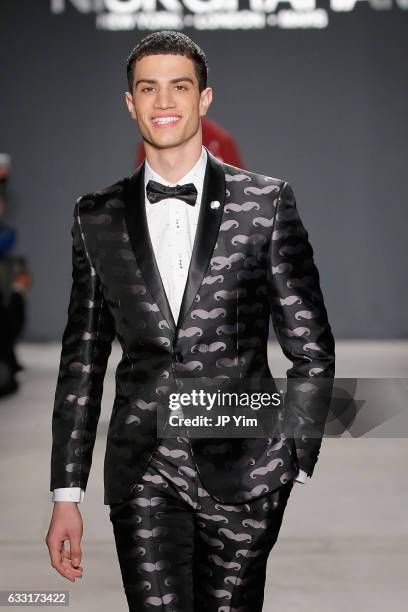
[[178, 357]]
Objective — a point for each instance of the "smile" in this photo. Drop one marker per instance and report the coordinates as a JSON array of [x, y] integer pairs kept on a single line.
[[159, 121]]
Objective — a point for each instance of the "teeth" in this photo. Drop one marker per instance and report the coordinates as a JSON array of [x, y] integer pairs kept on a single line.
[[165, 120]]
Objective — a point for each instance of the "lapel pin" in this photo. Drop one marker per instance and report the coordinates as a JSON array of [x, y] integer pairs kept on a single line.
[[215, 204]]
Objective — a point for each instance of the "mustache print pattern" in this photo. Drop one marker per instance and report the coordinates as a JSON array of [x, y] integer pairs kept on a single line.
[[280, 234], [210, 280], [77, 366], [215, 313], [163, 324], [311, 346], [214, 517], [238, 537], [282, 268], [147, 534], [147, 307], [190, 332], [298, 332], [305, 314], [80, 401], [253, 523], [262, 190], [231, 565], [225, 571], [229, 224], [291, 250], [289, 300], [175, 454], [256, 491], [229, 329], [227, 508], [156, 479], [208, 348], [248, 553], [230, 295], [159, 340], [226, 362], [245, 207], [316, 371], [143, 585], [251, 239], [118, 293], [132, 419], [158, 601], [153, 567], [299, 282], [229, 178], [181, 483], [189, 367], [263, 221], [188, 471], [218, 593], [269, 467], [142, 405], [235, 580], [275, 447], [115, 203], [219, 263]]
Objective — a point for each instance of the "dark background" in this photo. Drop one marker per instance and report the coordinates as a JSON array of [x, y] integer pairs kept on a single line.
[[325, 110]]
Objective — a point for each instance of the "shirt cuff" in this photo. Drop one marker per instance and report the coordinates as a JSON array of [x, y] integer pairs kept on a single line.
[[301, 477], [73, 494]]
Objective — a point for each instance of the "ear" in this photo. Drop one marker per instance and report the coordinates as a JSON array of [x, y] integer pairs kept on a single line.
[[130, 105], [206, 97]]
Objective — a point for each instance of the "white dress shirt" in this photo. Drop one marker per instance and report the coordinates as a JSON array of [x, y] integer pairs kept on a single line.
[[172, 226]]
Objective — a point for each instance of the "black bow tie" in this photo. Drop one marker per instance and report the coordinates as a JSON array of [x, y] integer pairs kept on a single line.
[[156, 191]]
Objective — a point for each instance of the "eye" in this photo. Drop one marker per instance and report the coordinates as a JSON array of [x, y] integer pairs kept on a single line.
[[146, 88], [182, 86]]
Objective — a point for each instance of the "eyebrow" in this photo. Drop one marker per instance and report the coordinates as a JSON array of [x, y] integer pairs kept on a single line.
[[152, 81]]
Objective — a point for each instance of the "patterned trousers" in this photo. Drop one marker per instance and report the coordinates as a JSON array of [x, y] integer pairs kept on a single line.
[[180, 550]]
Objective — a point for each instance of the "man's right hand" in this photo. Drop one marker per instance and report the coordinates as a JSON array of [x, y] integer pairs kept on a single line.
[[66, 524]]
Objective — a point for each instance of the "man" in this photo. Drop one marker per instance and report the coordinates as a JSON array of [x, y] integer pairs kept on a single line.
[[184, 261]]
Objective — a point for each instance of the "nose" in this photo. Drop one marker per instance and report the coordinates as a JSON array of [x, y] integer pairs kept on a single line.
[[163, 99]]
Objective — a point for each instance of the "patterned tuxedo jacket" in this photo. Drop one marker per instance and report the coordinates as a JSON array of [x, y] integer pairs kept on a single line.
[[251, 260]]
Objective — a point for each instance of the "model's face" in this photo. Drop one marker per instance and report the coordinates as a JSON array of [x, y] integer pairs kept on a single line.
[[166, 86]]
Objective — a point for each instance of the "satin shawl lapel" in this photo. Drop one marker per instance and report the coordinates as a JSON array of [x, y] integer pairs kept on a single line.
[[206, 235], [208, 224], [138, 230]]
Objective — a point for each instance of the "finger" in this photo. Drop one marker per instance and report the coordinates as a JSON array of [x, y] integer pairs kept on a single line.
[[67, 561], [72, 571], [65, 568], [75, 551], [56, 548]]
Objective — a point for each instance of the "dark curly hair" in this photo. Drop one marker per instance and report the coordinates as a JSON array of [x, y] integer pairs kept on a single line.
[[169, 42]]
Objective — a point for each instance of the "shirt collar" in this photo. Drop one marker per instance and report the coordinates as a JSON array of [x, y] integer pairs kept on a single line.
[[194, 175]]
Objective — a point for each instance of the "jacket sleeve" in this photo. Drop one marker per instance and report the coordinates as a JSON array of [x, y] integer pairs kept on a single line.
[[301, 325], [86, 346]]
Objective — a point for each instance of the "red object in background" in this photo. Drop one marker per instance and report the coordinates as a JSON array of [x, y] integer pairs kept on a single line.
[[217, 140]]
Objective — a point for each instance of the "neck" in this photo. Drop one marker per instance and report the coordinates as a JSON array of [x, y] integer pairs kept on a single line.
[[173, 163]]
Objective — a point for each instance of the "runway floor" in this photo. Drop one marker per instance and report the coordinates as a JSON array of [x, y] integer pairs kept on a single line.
[[343, 544]]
